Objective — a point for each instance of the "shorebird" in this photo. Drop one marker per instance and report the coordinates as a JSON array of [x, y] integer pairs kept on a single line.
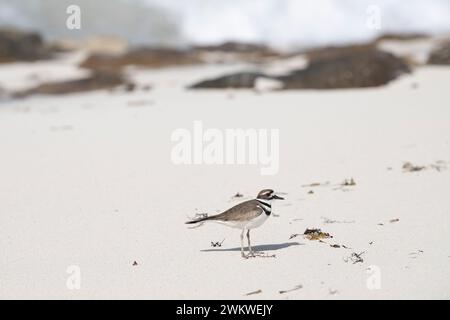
[[245, 216]]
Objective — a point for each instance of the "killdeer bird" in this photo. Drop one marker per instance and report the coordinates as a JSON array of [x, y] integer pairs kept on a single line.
[[245, 216]]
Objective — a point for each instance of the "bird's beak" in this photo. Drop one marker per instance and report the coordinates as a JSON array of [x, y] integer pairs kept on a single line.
[[275, 197]]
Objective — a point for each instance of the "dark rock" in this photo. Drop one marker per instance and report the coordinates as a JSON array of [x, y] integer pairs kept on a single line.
[[242, 80], [402, 36], [441, 55], [97, 81], [22, 46], [349, 67], [144, 57], [329, 53], [237, 51], [231, 46]]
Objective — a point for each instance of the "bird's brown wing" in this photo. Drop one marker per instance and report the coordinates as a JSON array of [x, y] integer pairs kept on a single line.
[[247, 210]]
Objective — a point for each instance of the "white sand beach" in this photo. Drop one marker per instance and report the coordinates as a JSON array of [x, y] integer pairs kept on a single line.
[[87, 180]]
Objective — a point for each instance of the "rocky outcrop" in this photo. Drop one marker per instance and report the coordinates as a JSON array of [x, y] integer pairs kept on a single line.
[[22, 46], [441, 55], [97, 81], [356, 67], [329, 68], [236, 52], [144, 57], [242, 80]]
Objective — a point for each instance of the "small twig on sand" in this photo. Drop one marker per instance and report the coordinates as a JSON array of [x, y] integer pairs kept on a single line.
[[355, 257], [290, 290], [217, 244], [315, 184], [253, 292]]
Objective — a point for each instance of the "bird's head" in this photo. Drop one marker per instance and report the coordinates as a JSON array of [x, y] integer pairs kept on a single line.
[[268, 194]]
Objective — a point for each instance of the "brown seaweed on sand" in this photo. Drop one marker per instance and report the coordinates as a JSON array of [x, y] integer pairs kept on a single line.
[[316, 234]]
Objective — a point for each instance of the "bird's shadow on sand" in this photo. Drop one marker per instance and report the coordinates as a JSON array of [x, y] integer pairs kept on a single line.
[[263, 247]]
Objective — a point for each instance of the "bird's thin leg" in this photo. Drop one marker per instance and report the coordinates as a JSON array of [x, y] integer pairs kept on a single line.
[[242, 244], [250, 250]]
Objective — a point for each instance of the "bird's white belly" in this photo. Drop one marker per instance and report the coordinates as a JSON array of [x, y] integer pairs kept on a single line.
[[258, 221], [255, 223]]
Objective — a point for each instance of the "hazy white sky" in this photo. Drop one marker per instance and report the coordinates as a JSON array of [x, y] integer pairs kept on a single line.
[[276, 22]]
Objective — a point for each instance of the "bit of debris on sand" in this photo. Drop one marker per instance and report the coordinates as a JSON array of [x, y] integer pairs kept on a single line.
[[355, 257], [438, 166], [260, 255], [217, 243], [254, 292], [316, 184], [238, 195], [390, 221], [344, 185], [327, 220], [409, 167], [135, 263], [337, 246], [316, 234], [332, 291], [312, 234], [290, 290], [414, 255], [348, 183]]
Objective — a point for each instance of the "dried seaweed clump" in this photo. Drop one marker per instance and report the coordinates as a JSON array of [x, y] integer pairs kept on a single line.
[[316, 234]]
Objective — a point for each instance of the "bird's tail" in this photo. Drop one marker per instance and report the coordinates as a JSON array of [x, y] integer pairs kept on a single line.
[[198, 220]]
